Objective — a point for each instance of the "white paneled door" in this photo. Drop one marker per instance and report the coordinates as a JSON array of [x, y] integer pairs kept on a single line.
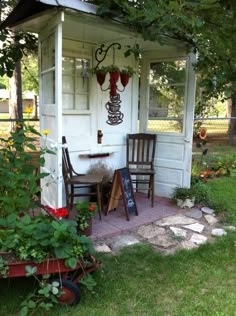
[[51, 112], [168, 96]]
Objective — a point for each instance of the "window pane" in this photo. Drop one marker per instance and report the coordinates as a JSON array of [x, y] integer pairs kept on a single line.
[[75, 83], [82, 66], [68, 65], [48, 88], [48, 53], [67, 84], [67, 101], [81, 102], [166, 96], [81, 85]]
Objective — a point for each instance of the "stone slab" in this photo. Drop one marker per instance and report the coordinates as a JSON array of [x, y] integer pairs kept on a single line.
[[197, 227], [179, 232], [123, 241], [188, 244], [211, 220], [102, 248], [163, 241], [218, 232], [194, 213], [198, 239], [150, 231], [175, 220], [207, 210]]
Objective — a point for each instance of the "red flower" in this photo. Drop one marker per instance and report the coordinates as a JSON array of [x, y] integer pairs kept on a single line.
[[92, 207], [59, 212], [203, 133]]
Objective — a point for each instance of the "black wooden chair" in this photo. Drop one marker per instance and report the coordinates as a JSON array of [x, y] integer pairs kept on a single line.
[[75, 183], [140, 154]]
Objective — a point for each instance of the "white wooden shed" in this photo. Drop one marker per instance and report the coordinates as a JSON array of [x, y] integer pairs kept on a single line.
[[72, 104]]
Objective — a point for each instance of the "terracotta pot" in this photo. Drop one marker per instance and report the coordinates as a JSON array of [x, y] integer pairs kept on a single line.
[[124, 78], [88, 230], [101, 76]]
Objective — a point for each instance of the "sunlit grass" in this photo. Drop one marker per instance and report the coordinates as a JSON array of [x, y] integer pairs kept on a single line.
[[141, 282]]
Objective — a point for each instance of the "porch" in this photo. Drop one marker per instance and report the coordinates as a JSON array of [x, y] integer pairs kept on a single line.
[[115, 222]]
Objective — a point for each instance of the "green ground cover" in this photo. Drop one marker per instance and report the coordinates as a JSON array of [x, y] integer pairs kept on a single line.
[[141, 282]]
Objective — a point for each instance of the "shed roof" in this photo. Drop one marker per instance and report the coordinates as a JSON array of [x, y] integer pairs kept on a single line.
[[27, 8], [33, 15]]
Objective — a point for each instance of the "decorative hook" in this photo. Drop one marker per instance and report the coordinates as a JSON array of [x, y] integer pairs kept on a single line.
[[101, 53]]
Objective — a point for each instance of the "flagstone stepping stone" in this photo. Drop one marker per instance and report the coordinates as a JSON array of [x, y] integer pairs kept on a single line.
[[197, 227], [207, 210], [212, 220], [175, 220], [218, 232], [179, 232], [123, 241], [188, 244], [102, 248], [198, 239], [163, 241], [194, 213], [150, 231]]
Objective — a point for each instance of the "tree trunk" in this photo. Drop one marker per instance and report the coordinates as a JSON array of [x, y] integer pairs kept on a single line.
[[15, 94], [231, 113]]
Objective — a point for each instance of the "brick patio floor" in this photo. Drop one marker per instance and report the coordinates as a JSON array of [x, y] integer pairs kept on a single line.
[[115, 222]]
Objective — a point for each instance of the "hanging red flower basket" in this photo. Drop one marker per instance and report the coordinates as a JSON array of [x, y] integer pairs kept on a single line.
[[114, 76], [101, 77], [124, 78]]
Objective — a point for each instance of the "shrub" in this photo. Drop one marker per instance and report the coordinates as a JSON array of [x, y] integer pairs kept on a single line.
[[19, 178], [201, 191]]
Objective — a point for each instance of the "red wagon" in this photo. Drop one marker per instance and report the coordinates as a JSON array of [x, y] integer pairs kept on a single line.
[[68, 278]]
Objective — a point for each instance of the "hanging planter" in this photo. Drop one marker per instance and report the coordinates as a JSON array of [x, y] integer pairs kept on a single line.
[[101, 77], [100, 74], [125, 74], [124, 79], [114, 72]]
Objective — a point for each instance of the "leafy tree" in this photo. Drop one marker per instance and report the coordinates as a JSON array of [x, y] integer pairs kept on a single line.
[[15, 46], [207, 27]]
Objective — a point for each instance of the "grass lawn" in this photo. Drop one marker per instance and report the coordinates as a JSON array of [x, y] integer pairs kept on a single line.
[[141, 282]]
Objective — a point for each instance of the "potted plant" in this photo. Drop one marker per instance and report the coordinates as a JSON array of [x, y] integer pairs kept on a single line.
[[114, 72], [44, 245], [126, 73], [100, 74], [185, 197], [85, 213]]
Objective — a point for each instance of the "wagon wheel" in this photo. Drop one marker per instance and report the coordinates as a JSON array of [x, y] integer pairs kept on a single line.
[[71, 295]]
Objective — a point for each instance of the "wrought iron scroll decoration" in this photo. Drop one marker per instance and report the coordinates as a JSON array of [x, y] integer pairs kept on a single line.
[[103, 53], [115, 116]]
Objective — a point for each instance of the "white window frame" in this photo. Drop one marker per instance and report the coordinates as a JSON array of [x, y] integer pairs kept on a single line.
[[163, 60], [79, 55]]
